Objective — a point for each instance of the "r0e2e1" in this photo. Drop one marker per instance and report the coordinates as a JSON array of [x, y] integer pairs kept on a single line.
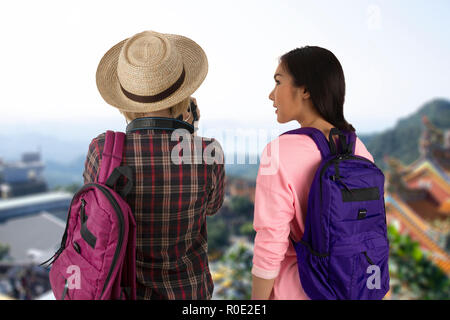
[[256, 309]]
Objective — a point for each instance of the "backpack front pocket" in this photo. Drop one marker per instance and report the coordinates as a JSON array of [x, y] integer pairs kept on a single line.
[[59, 284], [359, 270], [370, 279], [74, 278]]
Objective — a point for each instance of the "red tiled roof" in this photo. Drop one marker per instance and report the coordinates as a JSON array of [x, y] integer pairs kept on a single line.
[[418, 228]]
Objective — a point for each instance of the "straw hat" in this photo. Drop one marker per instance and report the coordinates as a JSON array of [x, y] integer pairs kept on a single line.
[[151, 71]]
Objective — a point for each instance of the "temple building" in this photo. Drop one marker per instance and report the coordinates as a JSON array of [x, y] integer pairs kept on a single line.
[[22, 177], [418, 195]]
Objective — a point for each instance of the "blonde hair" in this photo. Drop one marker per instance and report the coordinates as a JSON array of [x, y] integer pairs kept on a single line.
[[175, 110]]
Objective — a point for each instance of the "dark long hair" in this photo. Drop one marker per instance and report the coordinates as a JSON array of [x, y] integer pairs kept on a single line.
[[320, 72]]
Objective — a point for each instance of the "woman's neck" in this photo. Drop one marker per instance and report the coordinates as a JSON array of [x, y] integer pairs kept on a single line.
[[320, 124]]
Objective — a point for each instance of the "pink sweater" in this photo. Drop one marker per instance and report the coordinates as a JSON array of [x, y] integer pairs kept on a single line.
[[286, 172]]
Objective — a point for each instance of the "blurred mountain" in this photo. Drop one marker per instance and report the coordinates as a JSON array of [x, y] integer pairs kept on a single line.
[[402, 141], [52, 147], [62, 174]]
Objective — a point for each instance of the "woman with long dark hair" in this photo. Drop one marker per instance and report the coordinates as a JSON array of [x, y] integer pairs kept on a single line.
[[309, 89]]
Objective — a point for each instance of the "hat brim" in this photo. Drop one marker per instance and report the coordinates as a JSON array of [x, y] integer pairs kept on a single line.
[[195, 64]]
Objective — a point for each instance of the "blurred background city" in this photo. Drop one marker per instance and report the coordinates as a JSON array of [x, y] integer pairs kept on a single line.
[[395, 59]]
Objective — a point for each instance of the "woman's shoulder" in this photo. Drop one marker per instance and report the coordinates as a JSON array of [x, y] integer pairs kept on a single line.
[[99, 137], [206, 140], [96, 144], [287, 141], [284, 154], [290, 145], [361, 150], [290, 149]]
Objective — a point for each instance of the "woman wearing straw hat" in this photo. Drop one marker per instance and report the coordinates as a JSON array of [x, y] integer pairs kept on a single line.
[[149, 78]]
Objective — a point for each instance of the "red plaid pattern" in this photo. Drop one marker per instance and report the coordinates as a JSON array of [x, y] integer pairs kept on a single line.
[[170, 203]]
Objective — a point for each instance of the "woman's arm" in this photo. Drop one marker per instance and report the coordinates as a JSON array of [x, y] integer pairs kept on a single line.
[[261, 288], [273, 213]]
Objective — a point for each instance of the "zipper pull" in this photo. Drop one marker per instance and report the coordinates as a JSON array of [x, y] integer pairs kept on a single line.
[[337, 177], [82, 213], [342, 182], [368, 259], [66, 288]]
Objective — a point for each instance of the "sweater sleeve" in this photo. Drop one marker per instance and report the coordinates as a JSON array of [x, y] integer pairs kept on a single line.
[[216, 196], [274, 210], [91, 164]]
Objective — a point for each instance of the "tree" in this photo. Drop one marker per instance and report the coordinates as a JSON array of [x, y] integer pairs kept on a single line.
[[217, 234], [235, 269], [247, 230], [412, 272], [241, 205]]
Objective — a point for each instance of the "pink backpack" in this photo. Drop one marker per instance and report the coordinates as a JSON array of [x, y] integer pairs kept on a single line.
[[96, 260]]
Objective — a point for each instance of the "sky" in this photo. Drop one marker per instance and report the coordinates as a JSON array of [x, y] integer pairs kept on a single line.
[[395, 56]]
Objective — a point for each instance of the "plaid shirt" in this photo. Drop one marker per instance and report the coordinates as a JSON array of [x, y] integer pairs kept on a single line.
[[170, 203]]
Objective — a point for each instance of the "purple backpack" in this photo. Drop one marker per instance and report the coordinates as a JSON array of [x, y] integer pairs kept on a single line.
[[96, 260], [344, 251]]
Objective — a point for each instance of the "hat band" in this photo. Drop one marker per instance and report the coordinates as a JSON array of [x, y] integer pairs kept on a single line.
[[157, 97]]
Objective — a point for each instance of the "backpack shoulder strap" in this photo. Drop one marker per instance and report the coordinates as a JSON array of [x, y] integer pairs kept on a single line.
[[328, 147], [110, 169], [347, 141], [317, 136], [112, 154], [351, 141]]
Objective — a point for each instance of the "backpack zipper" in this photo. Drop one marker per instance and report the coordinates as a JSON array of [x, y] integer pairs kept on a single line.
[[64, 238], [368, 259], [66, 288], [63, 241], [337, 177], [119, 213]]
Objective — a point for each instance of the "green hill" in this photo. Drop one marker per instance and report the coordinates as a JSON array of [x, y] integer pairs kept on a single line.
[[402, 141]]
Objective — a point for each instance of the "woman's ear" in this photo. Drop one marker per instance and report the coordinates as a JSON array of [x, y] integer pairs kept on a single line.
[[305, 93], [301, 93]]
